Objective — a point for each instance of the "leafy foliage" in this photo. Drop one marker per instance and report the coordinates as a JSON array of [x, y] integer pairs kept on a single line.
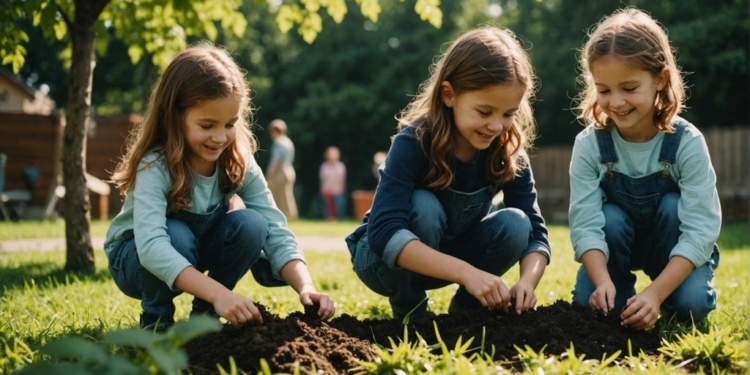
[[152, 353], [159, 28], [719, 348], [421, 358], [364, 66]]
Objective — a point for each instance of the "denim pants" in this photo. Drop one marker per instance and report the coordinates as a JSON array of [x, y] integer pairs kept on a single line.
[[649, 251], [641, 229], [224, 244], [456, 224]]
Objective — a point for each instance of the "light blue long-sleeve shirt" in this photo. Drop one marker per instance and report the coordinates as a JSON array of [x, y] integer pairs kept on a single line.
[[699, 210], [144, 212]]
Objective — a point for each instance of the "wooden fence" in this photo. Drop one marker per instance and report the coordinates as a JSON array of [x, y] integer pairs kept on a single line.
[[34, 141], [730, 155], [30, 141]]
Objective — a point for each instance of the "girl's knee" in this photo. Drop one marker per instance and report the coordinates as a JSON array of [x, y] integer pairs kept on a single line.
[[668, 207], [427, 213], [513, 219], [616, 221], [669, 202], [246, 226], [687, 307], [583, 288], [619, 231], [694, 298], [182, 239], [513, 227], [424, 203]]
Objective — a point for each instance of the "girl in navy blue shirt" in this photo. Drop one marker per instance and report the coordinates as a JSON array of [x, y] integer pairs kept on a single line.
[[460, 142]]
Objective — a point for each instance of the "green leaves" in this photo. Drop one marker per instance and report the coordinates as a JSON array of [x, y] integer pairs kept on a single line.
[[311, 24], [429, 10], [154, 352], [14, 57], [716, 349], [370, 9]]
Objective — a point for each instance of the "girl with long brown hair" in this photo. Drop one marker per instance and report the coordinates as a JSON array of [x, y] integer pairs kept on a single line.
[[184, 163], [461, 142]]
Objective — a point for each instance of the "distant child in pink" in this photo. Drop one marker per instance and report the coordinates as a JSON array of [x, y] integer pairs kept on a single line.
[[333, 184]]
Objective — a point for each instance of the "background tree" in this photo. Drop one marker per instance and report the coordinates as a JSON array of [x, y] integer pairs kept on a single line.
[[351, 83], [346, 89], [157, 27], [711, 40]]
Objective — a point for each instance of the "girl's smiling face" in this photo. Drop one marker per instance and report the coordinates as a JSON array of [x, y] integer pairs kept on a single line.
[[209, 130], [482, 115], [627, 95]]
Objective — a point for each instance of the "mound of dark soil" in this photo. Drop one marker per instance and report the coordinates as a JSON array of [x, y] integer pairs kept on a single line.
[[337, 345]]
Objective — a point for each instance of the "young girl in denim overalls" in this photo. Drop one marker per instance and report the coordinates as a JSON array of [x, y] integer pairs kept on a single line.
[[183, 163], [461, 142], [643, 194]]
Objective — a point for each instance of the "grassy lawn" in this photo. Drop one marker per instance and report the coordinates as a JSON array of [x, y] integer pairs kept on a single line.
[[38, 302], [56, 228]]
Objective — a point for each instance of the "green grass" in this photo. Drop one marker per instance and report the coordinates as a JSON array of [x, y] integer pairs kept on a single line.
[[29, 229], [39, 302], [56, 228]]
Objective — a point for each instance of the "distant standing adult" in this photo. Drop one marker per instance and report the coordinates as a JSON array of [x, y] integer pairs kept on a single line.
[[280, 172], [377, 160], [333, 184]]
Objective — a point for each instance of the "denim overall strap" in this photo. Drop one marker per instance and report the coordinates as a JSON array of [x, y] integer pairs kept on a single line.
[[669, 146], [607, 152]]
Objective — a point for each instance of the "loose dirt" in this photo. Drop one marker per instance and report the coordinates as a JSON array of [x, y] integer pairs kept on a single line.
[[336, 346]]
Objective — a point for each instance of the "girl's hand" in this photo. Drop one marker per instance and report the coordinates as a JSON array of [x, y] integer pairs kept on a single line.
[[237, 309], [603, 297], [489, 289], [641, 310], [327, 306], [523, 293]]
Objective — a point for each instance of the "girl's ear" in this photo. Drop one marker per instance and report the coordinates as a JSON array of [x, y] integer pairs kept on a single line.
[[662, 79], [447, 93]]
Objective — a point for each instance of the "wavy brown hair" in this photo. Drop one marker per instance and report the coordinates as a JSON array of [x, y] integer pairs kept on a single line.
[[636, 38], [199, 73], [478, 59]]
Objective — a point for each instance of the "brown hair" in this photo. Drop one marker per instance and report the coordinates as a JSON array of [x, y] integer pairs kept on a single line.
[[478, 59], [641, 42], [201, 72]]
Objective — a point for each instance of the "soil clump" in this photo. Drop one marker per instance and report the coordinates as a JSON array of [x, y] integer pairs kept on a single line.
[[336, 346]]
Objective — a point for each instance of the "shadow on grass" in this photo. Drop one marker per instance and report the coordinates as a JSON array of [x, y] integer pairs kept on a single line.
[[45, 275]]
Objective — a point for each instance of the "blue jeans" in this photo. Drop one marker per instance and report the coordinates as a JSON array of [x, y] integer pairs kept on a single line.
[[492, 243], [226, 250], [648, 249]]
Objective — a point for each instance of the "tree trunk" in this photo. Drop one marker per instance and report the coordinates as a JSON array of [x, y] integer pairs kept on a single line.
[[80, 252]]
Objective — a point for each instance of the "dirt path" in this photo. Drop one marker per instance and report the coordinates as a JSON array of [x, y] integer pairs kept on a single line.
[[317, 243]]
